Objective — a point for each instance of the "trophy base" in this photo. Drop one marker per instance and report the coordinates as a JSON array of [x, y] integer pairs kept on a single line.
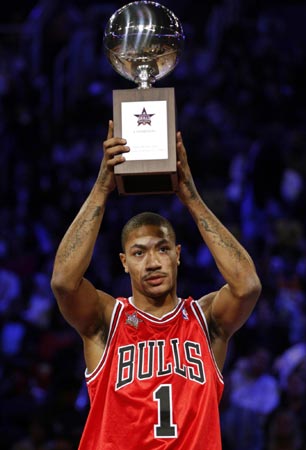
[[147, 183], [146, 119]]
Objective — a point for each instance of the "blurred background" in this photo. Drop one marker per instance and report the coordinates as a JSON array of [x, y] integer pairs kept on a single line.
[[241, 96]]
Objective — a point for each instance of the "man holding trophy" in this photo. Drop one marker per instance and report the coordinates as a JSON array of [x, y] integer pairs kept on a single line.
[[154, 360]]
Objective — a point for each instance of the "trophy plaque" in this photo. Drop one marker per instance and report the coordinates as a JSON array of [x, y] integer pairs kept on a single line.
[[143, 41]]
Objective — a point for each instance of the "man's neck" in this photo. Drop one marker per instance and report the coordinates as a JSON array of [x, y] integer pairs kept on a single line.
[[157, 307]]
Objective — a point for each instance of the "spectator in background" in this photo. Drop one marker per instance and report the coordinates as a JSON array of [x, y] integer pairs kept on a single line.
[[254, 394], [283, 431]]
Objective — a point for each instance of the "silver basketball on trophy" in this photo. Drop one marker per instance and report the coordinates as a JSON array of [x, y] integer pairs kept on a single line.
[[143, 41]]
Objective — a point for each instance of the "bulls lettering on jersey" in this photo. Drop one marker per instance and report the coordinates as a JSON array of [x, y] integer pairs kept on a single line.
[[147, 360]]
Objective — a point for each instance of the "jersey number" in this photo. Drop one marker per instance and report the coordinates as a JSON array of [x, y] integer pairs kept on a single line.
[[165, 427]]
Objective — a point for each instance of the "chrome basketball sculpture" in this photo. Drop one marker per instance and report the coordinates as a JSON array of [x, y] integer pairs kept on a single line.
[[143, 42]]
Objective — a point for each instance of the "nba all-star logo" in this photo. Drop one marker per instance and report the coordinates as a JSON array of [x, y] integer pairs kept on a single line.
[[144, 118], [132, 319]]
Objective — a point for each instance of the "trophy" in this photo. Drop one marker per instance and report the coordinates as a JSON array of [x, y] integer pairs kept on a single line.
[[143, 41]]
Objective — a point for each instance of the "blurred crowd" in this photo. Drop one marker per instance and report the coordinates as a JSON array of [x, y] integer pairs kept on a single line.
[[241, 99]]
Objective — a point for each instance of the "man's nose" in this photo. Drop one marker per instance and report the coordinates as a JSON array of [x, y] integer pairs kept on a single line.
[[153, 260]]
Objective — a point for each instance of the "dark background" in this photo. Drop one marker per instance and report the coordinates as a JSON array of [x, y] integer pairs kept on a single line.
[[240, 95]]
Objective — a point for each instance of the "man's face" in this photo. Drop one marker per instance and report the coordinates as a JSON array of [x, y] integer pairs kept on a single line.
[[151, 258]]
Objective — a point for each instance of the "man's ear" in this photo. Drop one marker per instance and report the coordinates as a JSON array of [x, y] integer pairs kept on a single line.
[[178, 253], [123, 261]]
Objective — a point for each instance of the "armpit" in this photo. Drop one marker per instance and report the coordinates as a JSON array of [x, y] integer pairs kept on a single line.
[[213, 328]]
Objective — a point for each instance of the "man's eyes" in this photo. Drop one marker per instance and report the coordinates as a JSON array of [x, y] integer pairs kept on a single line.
[[163, 249]]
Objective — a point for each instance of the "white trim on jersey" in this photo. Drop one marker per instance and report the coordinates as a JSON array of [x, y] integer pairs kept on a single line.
[[116, 314], [165, 318], [198, 310]]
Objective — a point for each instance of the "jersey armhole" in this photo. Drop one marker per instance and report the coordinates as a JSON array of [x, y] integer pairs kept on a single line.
[[117, 311], [200, 316]]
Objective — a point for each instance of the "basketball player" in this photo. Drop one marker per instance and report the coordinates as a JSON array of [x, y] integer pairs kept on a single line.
[[154, 361]]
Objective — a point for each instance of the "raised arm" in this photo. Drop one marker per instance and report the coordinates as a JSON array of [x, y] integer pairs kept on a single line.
[[82, 305], [227, 309]]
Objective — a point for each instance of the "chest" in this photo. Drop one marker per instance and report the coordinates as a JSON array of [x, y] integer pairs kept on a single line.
[[145, 348]]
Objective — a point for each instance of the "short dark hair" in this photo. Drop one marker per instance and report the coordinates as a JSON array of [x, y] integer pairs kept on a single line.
[[145, 218]]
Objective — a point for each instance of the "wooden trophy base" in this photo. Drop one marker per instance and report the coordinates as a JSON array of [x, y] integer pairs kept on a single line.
[[146, 118]]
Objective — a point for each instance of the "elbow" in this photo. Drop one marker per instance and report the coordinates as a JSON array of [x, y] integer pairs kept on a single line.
[[252, 288], [256, 287], [248, 288], [62, 286]]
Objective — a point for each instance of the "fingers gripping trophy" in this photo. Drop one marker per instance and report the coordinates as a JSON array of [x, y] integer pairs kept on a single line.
[[143, 42]]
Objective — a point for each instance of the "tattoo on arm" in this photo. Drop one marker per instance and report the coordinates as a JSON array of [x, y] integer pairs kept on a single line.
[[102, 177], [97, 212], [222, 239], [190, 186], [81, 230]]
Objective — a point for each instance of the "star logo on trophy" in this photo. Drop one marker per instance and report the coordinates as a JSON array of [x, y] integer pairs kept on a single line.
[[144, 118]]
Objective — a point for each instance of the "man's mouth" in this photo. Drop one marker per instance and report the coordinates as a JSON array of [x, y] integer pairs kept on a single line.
[[155, 278]]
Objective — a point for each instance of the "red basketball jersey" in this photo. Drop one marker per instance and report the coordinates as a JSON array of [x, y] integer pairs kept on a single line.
[[157, 385]]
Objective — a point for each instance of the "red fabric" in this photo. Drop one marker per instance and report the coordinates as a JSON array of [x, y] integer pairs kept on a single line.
[[167, 402]]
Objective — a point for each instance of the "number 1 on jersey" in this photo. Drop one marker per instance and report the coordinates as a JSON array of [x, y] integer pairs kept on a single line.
[[165, 427]]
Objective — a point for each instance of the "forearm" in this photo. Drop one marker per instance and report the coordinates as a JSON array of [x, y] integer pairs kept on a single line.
[[232, 259], [76, 248]]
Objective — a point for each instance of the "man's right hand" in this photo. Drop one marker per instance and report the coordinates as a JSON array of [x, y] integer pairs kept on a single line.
[[113, 148]]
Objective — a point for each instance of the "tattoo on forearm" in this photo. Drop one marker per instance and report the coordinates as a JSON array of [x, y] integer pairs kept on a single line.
[[102, 178], [222, 239], [97, 212], [190, 186], [81, 229]]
